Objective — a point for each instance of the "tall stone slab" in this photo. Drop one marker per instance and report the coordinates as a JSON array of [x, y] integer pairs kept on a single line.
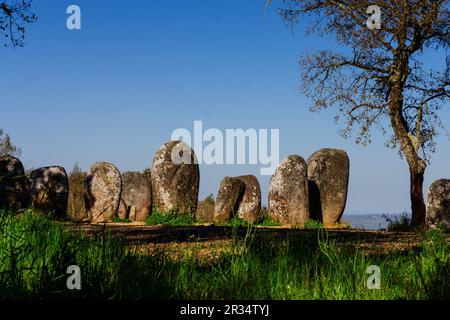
[[102, 192], [328, 176], [288, 192], [175, 178], [250, 205]]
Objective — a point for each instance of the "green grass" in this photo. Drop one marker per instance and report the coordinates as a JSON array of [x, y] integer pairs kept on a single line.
[[170, 219], [401, 223], [267, 222], [35, 253], [313, 224]]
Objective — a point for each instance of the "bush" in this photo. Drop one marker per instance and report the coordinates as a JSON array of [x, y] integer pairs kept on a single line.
[[170, 219], [76, 208], [313, 224], [267, 222], [120, 220], [400, 223], [205, 210], [6, 146]]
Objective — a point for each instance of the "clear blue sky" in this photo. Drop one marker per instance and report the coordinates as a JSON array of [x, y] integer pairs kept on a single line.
[[137, 70]]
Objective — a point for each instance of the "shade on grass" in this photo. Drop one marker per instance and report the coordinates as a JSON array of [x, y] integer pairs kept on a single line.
[[35, 253]]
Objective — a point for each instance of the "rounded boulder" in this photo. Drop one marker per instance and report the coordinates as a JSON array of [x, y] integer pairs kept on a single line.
[[288, 192], [14, 186], [438, 205], [328, 176], [250, 205], [228, 199], [102, 192], [136, 201], [50, 190], [175, 178]]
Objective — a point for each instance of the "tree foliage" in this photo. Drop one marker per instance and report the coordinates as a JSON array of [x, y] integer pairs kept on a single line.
[[6, 146], [359, 82], [381, 77]]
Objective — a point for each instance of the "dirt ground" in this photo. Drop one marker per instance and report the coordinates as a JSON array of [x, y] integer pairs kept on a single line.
[[209, 241]]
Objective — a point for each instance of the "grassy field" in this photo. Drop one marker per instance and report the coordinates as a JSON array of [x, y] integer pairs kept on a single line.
[[35, 253]]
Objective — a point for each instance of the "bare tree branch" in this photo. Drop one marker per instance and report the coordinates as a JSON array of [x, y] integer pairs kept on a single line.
[[14, 15]]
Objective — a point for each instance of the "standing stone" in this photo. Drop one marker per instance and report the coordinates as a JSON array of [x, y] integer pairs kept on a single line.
[[228, 199], [438, 207], [288, 192], [50, 190], [14, 187], [250, 206], [102, 190], [136, 202], [328, 175], [175, 178]]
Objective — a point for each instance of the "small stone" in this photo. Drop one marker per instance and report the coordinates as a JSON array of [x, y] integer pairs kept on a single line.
[[288, 192], [136, 202], [250, 205], [103, 188], [228, 199], [50, 190], [14, 186], [438, 206]]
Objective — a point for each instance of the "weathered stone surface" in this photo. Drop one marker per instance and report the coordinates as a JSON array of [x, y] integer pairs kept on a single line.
[[14, 186], [328, 175], [175, 178], [50, 190], [103, 188], [228, 199], [438, 206], [136, 202], [250, 205], [288, 192]]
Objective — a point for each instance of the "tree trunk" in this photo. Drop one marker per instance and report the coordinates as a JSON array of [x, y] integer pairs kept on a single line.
[[416, 165], [417, 202]]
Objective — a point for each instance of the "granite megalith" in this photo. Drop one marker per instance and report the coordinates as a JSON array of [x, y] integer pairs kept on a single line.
[[228, 199], [438, 206], [102, 192], [249, 208], [136, 199], [288, 192], [14, 186], [328, 176], [49, 188], [175, 177]]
